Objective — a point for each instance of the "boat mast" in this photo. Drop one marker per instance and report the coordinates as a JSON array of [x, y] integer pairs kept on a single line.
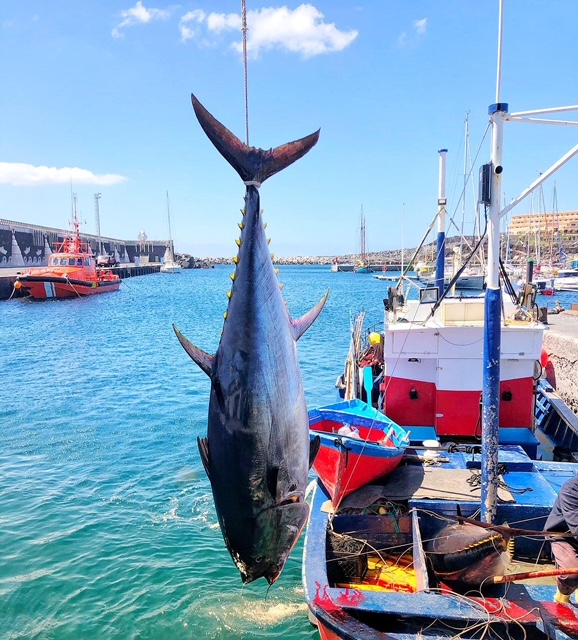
[[402, 234], [441, 240], [169, 219], [493, 307], [362, 237]]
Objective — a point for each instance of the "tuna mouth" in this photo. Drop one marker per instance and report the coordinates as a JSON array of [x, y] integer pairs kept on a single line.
[[293, 498], [271, 574], [288, 501]]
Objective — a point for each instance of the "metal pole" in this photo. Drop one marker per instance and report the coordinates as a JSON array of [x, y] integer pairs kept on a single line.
[[492, 326], [493, 309], [441, 240], [97, 216]]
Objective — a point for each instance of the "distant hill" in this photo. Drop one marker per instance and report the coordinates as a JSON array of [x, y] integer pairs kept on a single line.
[[518, 253]]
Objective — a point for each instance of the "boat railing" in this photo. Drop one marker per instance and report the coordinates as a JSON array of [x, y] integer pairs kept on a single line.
[[557, 422]]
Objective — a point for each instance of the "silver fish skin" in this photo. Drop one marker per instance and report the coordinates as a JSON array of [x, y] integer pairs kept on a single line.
[[257, 452]]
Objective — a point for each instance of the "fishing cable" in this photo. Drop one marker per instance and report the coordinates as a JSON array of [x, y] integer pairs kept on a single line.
[[71, 285], [244, 29]]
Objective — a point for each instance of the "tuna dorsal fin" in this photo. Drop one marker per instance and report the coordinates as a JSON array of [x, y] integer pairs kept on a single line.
[[300, 326], [203, 444], [202, 358], [314, 449], [249, 162]]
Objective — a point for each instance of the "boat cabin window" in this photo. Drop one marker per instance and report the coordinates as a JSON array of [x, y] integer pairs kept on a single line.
[[87, 262], [54, 262], [79, 262], [63, 261]]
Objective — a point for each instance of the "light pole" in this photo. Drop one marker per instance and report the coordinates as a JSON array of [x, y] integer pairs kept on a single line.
[[97, 217]]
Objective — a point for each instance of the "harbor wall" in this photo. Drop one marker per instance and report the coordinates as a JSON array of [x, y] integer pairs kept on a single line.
[[28, 245]]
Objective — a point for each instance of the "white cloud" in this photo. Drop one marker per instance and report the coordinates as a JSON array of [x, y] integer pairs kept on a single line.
[[301, 30], [217, 22], [26, 175], [420, 26], [187, 31], [138, 14]]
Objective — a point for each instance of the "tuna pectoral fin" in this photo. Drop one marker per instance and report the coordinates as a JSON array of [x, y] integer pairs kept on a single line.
[[300, 326], [202, 358], [314, 449], [204, 451], [249, 162]]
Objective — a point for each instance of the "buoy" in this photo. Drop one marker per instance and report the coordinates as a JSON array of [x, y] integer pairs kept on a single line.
[[544, 358], [18, 284]]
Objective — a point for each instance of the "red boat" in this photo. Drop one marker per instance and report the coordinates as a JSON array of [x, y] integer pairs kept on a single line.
[[71, 272], [358, 445]]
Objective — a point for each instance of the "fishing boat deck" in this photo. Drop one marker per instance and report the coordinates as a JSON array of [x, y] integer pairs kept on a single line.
[[402, 512]]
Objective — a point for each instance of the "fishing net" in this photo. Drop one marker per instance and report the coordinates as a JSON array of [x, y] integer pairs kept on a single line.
[[346, 558]]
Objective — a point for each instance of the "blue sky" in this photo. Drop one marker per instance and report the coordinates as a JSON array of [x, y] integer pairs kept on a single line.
[[95, 97]]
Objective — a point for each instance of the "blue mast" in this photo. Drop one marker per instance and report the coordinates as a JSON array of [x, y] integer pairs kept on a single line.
[[493, 308]]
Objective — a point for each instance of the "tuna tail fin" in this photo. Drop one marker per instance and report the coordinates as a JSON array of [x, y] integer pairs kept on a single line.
[[202, 358], [249, 162], [300, 326]]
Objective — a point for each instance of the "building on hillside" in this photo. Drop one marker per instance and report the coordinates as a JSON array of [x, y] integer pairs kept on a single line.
[[564, 222]]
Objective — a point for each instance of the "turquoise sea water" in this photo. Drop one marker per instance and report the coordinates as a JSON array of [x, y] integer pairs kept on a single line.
[[107, 527]]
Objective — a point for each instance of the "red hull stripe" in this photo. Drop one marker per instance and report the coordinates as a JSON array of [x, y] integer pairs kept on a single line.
[[456, 413], [342, 471]]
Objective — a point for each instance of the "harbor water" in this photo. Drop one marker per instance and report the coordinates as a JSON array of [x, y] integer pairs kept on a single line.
[[107, 526]]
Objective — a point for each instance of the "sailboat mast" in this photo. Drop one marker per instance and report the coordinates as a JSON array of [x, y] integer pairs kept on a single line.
[[169, 219], [492, 307], [362, 239]]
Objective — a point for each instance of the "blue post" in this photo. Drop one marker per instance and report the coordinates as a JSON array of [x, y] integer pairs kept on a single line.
[[491, 402], [441, 244], [492, 327], [440, 262]]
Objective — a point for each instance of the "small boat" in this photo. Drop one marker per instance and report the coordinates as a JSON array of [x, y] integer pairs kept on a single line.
[[376, 568], [337, 266], [545, 286], [170, 265], [358, 445], [566, 280], [71, 271]]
